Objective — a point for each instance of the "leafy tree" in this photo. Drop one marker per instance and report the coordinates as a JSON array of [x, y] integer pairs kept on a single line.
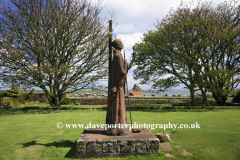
[[54, 44], [220, 61], [172, 49], [96, 87], [191, 47]]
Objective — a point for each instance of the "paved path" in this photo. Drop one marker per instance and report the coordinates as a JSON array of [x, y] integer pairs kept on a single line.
[[167, 146]]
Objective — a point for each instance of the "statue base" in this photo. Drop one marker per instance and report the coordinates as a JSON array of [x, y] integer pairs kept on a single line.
[[119, 130], [94, 143]]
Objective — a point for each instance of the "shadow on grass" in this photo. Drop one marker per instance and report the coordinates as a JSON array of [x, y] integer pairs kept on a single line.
[[65, 143]]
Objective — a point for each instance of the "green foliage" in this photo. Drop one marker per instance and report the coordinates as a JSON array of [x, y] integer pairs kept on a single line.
[[17, 97], [10, 101], [177, 102], [32, 91], [18, 101], [159, 102], [15, 92], [66, 101], [197, 46], [76, 103], [58, 45], [6, 101]]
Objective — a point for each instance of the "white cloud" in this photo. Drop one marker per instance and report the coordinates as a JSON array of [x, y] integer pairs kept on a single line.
[[128, 41], [135, 17], [139, 15]]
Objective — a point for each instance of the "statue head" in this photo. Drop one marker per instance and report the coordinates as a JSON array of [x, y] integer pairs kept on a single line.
[[117, 44]]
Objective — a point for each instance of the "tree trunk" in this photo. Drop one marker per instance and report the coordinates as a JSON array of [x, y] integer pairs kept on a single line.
[[192, 97], [204, 94], [54, 99], [59, 99], [220, 99]]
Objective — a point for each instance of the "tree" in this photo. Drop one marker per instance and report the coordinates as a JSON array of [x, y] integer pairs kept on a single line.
[[173, 50], [182, 50], [220, 61], [54, 44], [96, 87]]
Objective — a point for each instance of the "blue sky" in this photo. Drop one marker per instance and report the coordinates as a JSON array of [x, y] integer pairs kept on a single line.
[[136, 17]]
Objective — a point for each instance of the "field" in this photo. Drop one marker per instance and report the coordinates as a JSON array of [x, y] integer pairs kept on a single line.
[[33, 134]]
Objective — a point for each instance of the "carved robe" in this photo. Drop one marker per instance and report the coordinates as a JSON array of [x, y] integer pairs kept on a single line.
[[118, 108]]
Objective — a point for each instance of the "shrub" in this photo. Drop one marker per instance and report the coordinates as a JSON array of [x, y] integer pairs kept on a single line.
[[159, 102], [18, 101], [76, 103], [179, 103], [15, 92], [66, 101], [6, 101]]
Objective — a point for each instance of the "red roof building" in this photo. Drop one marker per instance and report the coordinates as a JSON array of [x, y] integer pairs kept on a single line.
[[135, 94]]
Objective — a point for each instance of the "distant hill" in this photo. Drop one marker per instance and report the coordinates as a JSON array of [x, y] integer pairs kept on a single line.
[[136, 88]]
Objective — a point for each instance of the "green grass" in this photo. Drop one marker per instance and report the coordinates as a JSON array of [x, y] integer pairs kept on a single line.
[[32, 134]]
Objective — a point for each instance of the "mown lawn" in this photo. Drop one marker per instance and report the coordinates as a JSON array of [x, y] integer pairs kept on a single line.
[[33, 134]]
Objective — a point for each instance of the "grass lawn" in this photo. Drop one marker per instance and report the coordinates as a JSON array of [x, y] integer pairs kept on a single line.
[[34, 135]]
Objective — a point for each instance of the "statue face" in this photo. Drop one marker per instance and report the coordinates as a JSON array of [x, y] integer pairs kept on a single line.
[[117, 44], [120, 45]]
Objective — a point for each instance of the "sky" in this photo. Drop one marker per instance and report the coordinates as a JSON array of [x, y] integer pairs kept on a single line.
[[134, 18]]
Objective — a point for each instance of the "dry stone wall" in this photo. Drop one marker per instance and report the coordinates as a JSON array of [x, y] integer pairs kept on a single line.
[[103, 101], [41, 97]]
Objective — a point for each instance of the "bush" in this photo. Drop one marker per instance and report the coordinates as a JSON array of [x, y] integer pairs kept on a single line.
[[177, 102], [18, 101], [159, 102], [15, 92], [6, 101], [76, 103], [66, 101]]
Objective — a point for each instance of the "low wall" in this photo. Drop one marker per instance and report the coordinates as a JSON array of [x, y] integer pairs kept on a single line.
[[132, 108], [103, 101], [41, 97]]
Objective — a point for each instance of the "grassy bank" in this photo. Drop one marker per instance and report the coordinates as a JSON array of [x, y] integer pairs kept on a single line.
[[31, 135]]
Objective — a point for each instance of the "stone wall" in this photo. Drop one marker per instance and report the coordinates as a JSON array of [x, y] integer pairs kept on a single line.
[[41, 97], [103, 101]]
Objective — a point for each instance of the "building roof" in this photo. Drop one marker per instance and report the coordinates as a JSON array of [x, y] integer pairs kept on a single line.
[[136, 93]]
